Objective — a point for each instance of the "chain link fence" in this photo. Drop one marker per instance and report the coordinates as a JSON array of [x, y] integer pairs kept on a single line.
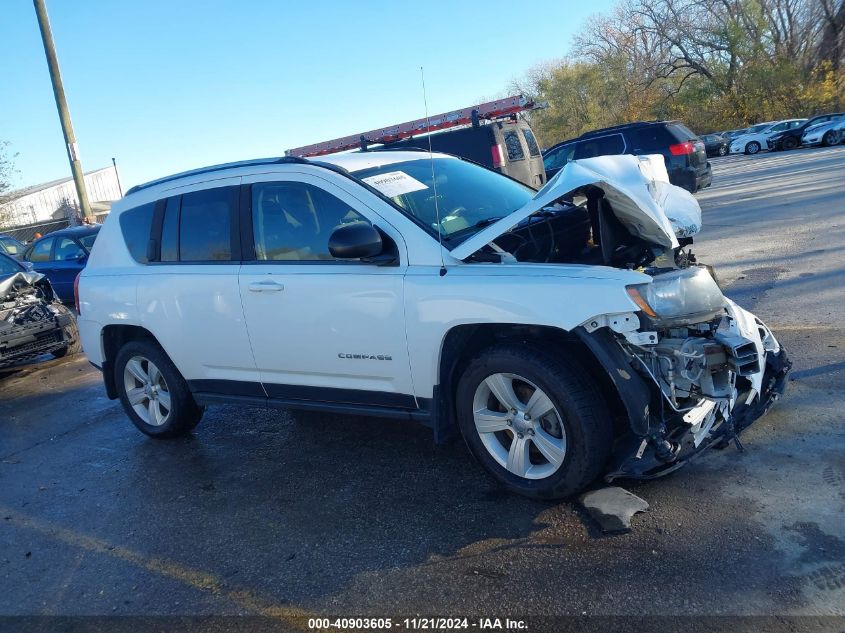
[[27, 232]]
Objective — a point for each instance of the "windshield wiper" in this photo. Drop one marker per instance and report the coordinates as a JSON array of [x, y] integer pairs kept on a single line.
[[478, 225], [487, 222]]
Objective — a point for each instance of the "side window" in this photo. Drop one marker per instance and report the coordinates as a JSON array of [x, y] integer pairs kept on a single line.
[[170, 231], [531, 142], [559, 157], [88, 241], [292, 221], [41, 251], [600, 146], [514, 146], [795, 124], [205, 225], [650, 138], [135, 225], [68, 249]]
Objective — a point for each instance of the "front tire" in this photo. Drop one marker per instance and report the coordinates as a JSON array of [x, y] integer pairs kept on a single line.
[[752, 148], [790, 143], [723, 150], [153, 393], [830, 138], [71, 334], [536, 423]]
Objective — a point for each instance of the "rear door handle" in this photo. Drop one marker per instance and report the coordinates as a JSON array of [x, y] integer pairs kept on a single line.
[[266, 286]]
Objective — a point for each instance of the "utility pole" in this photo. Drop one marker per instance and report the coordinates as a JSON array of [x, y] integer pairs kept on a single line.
[[61, 105]]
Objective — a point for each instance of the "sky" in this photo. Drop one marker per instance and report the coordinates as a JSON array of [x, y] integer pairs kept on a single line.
[[168, 85]]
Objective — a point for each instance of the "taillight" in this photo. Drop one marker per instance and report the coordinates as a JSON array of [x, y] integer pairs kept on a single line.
[[498, 156], [680, 149], [76, 292]]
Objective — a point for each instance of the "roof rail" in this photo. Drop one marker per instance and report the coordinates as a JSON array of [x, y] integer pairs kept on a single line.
[[205, 170], [621, 126]]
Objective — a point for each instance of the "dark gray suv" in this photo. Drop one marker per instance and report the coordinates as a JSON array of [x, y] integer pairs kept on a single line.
[[685, 154]]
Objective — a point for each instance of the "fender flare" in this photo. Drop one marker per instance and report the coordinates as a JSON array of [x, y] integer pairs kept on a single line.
[[636, 395]]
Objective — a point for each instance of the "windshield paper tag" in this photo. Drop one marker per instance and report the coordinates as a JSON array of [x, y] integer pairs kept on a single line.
[[394, 183]]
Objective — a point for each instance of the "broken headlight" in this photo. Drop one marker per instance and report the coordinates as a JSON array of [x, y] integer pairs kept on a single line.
[[689, 295]]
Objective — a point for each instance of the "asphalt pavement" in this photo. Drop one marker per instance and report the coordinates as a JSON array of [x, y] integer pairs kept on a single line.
[[289, 515]]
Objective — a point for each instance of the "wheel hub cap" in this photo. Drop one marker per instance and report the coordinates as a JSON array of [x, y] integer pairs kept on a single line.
[[519, 426], [147, 391]]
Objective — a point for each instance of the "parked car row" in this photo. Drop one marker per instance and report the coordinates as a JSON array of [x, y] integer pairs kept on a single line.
[[825, 129]]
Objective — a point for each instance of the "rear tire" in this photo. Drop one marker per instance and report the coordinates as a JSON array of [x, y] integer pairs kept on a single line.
[[153, 393], [752, 148], [558, 453], [723, 150]]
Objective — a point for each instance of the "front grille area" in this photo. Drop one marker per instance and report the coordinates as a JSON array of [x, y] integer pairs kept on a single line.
[[43, 344]]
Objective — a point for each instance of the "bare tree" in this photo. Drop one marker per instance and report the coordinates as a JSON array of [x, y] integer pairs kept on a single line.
[[7, 172]]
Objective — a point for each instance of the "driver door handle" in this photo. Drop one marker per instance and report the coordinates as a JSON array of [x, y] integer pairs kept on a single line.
[[266, 286]]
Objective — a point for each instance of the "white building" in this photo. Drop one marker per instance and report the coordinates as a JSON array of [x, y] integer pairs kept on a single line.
[[55, 200]]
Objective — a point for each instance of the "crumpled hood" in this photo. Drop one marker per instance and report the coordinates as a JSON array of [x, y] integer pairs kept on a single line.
[[637, 188], [11, 285]]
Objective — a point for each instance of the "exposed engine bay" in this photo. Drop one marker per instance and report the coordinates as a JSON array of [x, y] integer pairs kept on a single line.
[[693, 369], [32, 321]]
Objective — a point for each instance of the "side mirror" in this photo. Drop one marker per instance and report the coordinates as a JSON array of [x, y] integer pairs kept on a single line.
[[358, 240], [28, 265]]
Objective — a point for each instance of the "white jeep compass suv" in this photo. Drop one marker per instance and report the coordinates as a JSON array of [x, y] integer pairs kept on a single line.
[[565, 333]]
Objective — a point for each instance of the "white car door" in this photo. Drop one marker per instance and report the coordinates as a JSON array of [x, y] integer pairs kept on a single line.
[[190, 299], [321, 329]]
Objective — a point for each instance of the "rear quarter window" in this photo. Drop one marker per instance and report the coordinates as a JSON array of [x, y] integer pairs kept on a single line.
[[653, 137], [531, 142], [135, 225]]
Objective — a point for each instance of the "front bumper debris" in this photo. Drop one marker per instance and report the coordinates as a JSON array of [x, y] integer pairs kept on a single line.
[[727, 373], [31, 322]]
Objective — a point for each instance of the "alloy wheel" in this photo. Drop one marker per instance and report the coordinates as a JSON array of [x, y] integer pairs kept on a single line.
[[519, 426], [723, 150], [752, 148], [147, 391]]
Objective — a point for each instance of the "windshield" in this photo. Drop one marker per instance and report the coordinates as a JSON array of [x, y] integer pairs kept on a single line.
[[469, 197]]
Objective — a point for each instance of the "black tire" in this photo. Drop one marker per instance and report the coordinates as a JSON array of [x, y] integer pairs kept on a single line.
[[829, 138], [723, 150], [184, 413], [71, 332], [790, 142], [752, 148], [586, 420]]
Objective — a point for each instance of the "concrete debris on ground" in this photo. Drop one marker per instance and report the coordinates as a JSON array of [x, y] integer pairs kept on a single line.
[[612, 508]]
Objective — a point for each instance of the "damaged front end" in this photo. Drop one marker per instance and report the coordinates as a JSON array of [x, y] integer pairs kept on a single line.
[[32, 322], [693, 369]]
